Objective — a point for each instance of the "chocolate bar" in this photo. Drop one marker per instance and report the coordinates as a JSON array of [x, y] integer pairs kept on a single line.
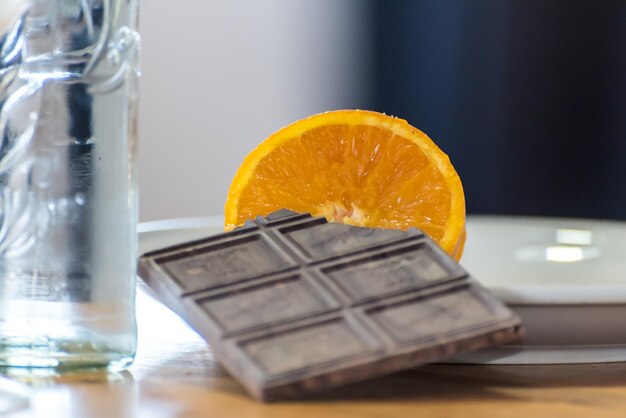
[[292, 304]]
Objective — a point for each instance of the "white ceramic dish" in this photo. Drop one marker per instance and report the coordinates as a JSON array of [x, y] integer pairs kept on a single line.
[[566, 278]]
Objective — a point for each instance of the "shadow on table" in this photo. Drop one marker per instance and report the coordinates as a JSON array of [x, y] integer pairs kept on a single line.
[[476, 382], [432, 382]]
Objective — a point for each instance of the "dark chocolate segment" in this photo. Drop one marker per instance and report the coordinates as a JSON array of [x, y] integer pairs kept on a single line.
[[281, 214], [433, 317], [308, 347], [265, 304], [226, 263], [321, 240], [280, 217], [400, 271]]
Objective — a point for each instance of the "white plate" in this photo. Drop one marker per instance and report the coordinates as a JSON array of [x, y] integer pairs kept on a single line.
[[548, 260], [566, 278]]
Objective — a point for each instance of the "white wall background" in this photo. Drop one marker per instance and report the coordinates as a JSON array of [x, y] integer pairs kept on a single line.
[[218, 76]]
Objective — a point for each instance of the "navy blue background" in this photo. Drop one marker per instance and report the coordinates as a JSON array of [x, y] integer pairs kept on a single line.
[[528, 97]]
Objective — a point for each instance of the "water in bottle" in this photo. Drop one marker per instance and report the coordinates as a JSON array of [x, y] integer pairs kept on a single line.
[[68, 90]]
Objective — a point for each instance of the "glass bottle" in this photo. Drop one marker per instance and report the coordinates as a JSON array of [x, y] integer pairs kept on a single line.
[[68, 212]]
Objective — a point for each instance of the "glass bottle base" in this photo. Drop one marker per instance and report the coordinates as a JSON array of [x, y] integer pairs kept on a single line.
[[61, 355]]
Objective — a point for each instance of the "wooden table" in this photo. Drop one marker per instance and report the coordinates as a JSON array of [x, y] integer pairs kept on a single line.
[[175, 375]]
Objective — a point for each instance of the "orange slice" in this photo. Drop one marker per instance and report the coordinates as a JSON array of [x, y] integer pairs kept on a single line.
[[356, 167]]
